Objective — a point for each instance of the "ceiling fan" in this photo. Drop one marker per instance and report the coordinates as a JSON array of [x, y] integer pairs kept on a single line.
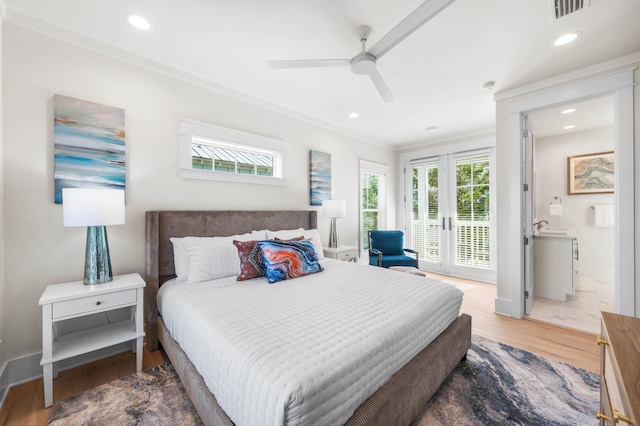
[[364, 63]]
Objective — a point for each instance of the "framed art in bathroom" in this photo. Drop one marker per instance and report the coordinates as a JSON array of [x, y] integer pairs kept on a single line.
[[591, 173]]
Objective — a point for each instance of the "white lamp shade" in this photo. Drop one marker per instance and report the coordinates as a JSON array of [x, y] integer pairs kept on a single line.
[[92, 206], [333, 209]]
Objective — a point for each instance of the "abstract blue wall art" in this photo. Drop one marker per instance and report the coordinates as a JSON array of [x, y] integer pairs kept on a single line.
[[319, 177], [88, 145]]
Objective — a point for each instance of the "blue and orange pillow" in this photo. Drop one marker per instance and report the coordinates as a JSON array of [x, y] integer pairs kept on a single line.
[[277, 259], [289, 259]]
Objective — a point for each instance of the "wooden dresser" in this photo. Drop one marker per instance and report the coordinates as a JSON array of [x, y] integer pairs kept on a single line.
[[619, 370]]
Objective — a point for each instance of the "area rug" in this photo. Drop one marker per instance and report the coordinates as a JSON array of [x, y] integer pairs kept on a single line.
[[151, 397], [496, 385], [501, 385]]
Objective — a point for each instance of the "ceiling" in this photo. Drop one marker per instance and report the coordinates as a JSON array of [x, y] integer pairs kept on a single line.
[[436, 74], [588, 115]]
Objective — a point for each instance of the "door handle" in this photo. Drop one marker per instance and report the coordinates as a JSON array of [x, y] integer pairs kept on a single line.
[[449, 223], [443, 226]]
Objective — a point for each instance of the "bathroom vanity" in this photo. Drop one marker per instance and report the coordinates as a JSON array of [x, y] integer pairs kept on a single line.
[[555, 255]]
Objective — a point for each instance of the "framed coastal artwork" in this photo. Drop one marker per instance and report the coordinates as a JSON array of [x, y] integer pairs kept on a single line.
[[591, 173], [88, 145], [319, 177]]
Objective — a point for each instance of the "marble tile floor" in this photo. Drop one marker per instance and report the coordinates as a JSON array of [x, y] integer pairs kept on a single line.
[[582, 310]]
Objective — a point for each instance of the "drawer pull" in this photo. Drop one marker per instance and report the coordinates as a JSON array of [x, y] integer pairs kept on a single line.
[[601, 341], [601, 416], [617, 416], [98, 302]]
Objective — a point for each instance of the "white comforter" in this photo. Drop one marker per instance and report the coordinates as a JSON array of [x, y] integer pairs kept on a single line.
[[306, 351]]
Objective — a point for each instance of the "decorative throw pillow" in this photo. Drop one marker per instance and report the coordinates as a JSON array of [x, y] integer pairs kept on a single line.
[[251, 262], [286, 260], [308, 234], [290, 239]]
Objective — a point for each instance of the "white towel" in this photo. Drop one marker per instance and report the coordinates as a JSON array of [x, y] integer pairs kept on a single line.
[[603, 216], [555, 210]]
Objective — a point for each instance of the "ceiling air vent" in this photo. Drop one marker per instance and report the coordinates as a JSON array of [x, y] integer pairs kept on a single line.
[[561, 8]]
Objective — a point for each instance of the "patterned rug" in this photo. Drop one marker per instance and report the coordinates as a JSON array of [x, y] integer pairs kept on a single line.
[[151, 397], [502, 385], [496, 385]]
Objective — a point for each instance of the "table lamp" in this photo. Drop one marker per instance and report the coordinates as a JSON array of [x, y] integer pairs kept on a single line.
[[94, 208], [333, 209]]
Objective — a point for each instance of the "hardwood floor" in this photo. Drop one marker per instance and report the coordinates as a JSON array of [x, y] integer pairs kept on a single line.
[[557, 342], [25, 403]]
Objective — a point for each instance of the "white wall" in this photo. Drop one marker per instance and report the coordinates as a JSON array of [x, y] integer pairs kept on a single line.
[[2, 271], [596, 244], [40, 251]]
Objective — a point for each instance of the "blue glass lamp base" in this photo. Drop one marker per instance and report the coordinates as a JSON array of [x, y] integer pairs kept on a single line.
[[97, 264]]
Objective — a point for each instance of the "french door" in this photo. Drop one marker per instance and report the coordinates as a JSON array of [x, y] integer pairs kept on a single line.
[[450, 221]]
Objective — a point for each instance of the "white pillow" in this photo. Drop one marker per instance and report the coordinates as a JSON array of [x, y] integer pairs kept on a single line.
[[211, 258], [308, 234], [259, 235], [180, 259]]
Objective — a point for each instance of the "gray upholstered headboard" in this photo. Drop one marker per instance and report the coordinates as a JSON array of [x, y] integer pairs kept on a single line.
[[162, 225]]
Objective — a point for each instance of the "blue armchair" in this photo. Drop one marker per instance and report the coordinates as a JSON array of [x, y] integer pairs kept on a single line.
[[385, 249]]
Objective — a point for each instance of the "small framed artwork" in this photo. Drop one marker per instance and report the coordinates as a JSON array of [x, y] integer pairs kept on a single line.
[[591, 173], [319, 177]]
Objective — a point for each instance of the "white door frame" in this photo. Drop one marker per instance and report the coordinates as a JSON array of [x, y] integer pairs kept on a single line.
[[620, 84]]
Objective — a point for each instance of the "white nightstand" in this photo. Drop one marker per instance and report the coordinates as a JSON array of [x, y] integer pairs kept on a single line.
[[346, 253], [70, 300]]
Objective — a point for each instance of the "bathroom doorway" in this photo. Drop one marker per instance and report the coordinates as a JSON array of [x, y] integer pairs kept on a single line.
[[570, 278]]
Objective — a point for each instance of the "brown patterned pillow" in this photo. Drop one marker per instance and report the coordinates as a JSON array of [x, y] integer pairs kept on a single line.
[[251, 261], [300, 238]]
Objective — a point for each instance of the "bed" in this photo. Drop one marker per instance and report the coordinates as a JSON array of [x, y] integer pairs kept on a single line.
[[396, 400]]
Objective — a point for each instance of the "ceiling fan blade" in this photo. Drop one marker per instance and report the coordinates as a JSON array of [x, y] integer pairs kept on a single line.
[[415, 20], [309, 63], [381, 87]]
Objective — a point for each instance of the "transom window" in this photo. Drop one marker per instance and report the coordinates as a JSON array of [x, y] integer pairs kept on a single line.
[[216, 153], [233, 158]]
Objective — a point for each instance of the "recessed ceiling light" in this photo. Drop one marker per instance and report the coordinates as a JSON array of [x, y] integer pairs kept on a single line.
[[568, 111], [432, 128], [354, 115], [140, 22], [571, 126], [567, 38]]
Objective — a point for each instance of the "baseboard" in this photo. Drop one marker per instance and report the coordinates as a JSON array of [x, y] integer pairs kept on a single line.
[[28, 368], [4, 383], [503, 307]]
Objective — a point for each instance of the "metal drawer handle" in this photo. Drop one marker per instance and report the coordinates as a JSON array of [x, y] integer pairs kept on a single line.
[[98, 302], [601, 341], [601, 416], [617, 416]]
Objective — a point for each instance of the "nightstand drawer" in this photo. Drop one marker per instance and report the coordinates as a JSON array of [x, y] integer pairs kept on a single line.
[[347, 255], [100, 302]]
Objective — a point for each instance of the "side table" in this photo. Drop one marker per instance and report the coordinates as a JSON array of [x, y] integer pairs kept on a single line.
[[74, 299], [346, 253]]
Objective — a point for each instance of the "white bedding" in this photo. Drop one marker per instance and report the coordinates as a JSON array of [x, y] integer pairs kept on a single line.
[[305, 351]]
